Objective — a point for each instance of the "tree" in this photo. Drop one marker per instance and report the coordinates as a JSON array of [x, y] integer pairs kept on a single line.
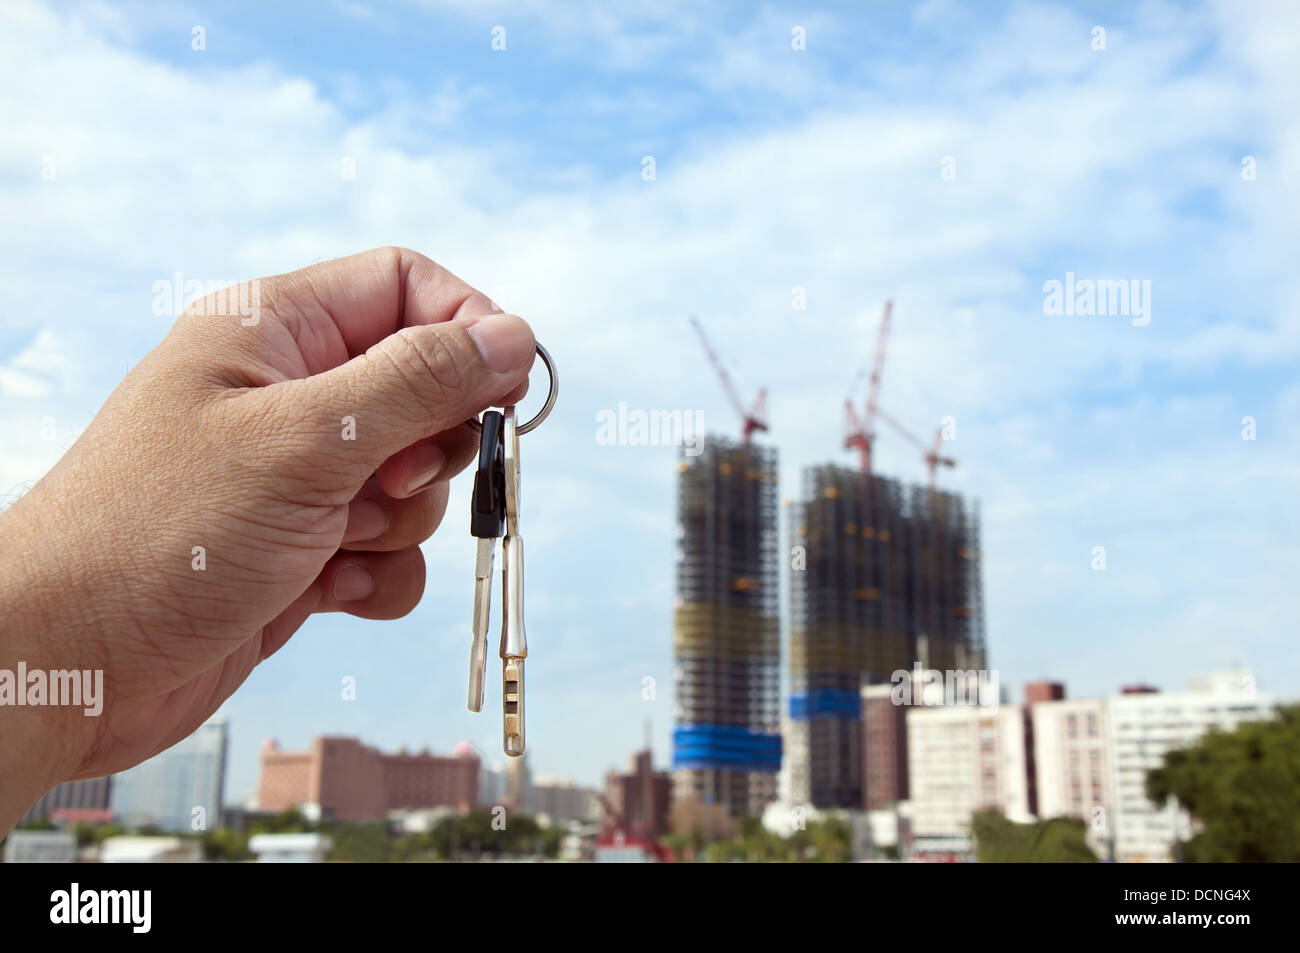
[[105, 831], [1244, 788], [289, 821], [365, 843], [832, 840], [679, 845], [225, 844], [1000, 841]]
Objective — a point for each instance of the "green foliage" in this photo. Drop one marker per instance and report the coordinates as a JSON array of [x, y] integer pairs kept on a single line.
[[224, 844], [105, 831], [291, 821], [453, 838], [474, 835], [825, 841], [552, 839], [359, 843], [1000, 841], [679, 845], [1244, 787], [832, 840]]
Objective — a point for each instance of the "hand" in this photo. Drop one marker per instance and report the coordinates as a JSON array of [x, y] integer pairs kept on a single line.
[[263, 463]]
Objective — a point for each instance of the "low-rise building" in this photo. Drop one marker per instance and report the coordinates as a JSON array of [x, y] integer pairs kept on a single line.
[[130, 849], [290, 848], [341, 779]]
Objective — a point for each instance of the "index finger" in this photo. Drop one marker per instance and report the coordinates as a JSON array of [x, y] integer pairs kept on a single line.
[[338, 309]]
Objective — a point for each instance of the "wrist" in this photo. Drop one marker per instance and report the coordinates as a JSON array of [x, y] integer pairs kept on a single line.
[[50, 669]]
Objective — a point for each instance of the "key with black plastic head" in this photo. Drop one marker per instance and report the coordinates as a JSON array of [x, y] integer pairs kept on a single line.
[[487, 523]]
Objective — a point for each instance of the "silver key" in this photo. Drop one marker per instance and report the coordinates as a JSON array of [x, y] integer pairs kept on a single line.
[[514, 646], [494, 511], [483, 560]]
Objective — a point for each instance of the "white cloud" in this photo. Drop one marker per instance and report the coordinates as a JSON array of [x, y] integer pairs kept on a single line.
[[36, 370]]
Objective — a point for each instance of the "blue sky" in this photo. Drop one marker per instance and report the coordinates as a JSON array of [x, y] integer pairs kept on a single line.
[[521, 170]]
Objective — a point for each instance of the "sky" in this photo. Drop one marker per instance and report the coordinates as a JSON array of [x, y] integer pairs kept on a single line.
[[955, 158]]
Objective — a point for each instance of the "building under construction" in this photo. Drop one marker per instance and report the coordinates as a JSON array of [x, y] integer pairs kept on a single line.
[[726, 628], [884, 576]]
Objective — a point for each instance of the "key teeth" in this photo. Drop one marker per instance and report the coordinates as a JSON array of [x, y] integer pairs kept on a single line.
[[512, 705]]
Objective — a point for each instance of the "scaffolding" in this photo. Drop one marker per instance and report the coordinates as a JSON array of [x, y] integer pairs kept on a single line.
[[726, 629], [884, 576]]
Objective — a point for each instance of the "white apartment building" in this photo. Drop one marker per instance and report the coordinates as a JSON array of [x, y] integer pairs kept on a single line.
[[962, 759], [1072, 765], [1140, 729]]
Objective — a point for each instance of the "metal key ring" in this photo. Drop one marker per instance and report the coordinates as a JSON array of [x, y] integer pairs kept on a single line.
[[554, 392]]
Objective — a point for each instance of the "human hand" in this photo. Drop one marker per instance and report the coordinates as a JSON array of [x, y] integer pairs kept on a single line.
[[251, 470]]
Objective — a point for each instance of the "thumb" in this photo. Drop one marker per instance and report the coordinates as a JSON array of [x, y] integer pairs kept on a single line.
[[418, 381]]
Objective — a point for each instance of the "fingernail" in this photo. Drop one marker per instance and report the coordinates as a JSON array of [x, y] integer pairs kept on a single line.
[[427, 461], [505, 341], [352, 583], [366, 520]]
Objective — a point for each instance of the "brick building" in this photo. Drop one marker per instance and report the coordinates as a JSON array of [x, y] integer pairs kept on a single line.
[[343, 779], [639, 801], [1035, 692], [884, 749]]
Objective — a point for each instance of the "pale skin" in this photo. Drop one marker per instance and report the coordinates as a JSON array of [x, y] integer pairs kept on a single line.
[[232, 437]]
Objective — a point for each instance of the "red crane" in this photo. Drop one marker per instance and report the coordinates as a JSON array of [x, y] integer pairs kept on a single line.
[[929, 453], [753, 419], [860, 433]]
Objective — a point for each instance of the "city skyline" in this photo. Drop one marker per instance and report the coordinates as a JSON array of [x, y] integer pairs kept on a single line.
[[776, 169]]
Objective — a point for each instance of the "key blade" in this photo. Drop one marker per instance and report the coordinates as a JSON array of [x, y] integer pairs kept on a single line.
[[514, 644], [477, 674], [483, 560]]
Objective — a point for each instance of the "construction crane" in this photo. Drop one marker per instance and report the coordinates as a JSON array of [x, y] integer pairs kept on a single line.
[[753, 419], [860, 433], [929, 452]]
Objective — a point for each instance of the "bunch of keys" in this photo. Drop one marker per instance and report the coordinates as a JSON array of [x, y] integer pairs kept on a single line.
[[494, 511]]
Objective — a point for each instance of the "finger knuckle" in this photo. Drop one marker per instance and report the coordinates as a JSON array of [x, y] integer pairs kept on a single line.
[[431, 363]]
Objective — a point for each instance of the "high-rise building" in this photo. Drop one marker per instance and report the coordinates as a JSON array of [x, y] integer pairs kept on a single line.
[[179, 789], [1035, 692], [1071, 768], [963, 759], [491, 785], [1141, 727], [73, 802], [344, 780], [883, 576], [726, 630], [637, 803], [884, 748], [1043, 691]]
